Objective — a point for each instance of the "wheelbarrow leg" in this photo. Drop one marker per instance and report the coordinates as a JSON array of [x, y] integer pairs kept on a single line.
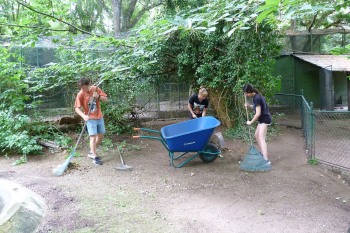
[[172, 158]]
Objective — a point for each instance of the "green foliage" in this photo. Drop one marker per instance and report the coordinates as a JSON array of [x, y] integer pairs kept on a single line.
[[123, 146], [115, 120], [240, 131], [48, 131], [13, 84], [90, 14], [317, 14], [203, 47], [312, 161], [14, 134], [19, 134], [246, 133], [341, 51], [218, 46], [174, 6], [20, 161]]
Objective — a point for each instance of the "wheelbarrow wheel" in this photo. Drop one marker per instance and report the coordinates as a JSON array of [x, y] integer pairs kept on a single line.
[[212, 155]]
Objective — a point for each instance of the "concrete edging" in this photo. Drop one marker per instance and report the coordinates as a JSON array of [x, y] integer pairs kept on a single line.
[[23, 209]]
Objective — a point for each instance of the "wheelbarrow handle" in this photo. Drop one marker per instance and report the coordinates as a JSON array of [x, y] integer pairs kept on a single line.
[[136, 136], [147, 130]]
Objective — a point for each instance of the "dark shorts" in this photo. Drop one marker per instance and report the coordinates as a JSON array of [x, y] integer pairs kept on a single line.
[[265, 120]]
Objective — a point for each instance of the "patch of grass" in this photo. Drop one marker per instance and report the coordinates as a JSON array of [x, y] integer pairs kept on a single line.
[[134, 147], [20, 161], [312, 161]]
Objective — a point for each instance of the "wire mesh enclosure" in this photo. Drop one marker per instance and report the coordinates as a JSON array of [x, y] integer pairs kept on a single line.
[[326, 133], [332, 138], [54, 103], [316, 40], [166, 100], [288, 108]]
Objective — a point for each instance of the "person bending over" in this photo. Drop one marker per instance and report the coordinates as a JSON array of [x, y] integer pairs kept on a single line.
[[198, 104]]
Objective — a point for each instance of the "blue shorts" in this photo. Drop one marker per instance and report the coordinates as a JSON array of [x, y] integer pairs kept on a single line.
[[96, 127]]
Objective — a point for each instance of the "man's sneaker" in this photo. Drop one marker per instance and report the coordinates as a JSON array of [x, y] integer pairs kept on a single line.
[[268, 161], [90, 153], [97, 161], [91, 156]]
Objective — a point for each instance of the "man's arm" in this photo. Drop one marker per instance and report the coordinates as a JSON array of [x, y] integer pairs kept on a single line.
[[204, 112], [103, 98], [80, 113], [189, 106]]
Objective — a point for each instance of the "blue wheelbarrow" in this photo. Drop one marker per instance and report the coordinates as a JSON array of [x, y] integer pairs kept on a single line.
[[190, 136]]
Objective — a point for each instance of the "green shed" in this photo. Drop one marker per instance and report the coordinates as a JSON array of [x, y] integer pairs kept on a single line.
[[322, 78]]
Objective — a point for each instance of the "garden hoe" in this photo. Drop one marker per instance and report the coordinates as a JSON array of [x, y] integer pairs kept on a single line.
[[122, 166]]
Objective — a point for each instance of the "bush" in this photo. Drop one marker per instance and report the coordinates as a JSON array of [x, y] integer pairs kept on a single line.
[[14, 134]]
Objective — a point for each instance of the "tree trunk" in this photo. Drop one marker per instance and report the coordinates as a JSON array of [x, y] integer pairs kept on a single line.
[[117, 6], [127, 14], [219, 103]]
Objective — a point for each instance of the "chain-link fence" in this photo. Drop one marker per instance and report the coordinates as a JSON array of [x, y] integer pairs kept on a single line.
[[294, 111], [332, 138], [168, 100], [54, 103], [159, 101], [326, 133]]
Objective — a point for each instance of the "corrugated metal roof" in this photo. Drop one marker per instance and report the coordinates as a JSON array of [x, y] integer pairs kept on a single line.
[[329, 62]]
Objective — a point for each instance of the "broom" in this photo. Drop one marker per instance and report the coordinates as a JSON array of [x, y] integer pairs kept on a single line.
[[59, 170]]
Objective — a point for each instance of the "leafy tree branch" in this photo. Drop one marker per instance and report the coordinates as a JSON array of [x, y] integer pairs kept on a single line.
[[58, 19], [35, 27]]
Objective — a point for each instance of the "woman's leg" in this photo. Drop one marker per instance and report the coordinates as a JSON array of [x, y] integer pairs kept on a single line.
[[260, 135]]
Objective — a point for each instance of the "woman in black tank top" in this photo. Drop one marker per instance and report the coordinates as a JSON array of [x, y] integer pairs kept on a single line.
[[262, 115]]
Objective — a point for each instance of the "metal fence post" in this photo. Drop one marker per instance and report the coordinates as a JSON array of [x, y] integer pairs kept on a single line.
[[311, 131], [302, 110]]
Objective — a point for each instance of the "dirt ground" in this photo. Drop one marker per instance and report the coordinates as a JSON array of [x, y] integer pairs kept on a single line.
[[199, 197]]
